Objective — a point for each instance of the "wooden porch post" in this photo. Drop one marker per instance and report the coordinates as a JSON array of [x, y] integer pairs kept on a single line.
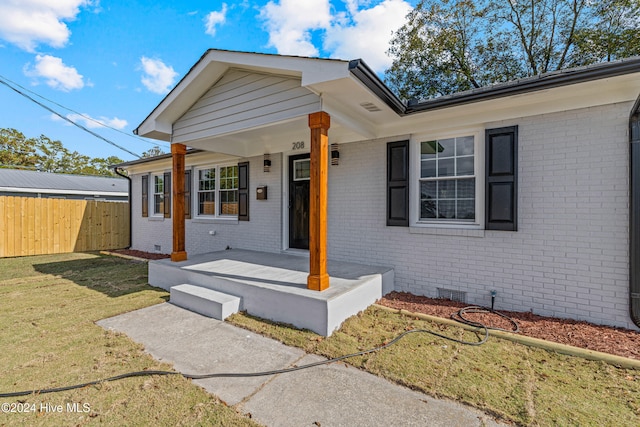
[[318, 279], [177, 192]]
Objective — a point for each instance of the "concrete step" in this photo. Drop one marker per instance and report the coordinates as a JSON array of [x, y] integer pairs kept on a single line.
[[204, 301]]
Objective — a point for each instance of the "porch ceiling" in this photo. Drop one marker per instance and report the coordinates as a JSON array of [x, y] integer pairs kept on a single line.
[[275, 138]]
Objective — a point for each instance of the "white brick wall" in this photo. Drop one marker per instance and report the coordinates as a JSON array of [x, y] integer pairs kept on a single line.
[[569, 257], [262, 232]]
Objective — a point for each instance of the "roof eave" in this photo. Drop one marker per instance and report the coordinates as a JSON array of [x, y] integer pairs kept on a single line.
[[370, 79], [527, 85], [530, 84], [151, 159]]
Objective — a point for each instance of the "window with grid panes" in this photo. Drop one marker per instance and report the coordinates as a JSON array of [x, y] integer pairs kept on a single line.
[[228, 190], [448, 180], [207, 191], [158, 195]]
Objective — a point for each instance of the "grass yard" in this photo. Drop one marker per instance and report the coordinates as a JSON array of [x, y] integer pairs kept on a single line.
[[521, 384], [48, 306]]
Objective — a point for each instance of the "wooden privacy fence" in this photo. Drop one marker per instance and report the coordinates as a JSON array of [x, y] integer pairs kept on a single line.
[[33, 226]]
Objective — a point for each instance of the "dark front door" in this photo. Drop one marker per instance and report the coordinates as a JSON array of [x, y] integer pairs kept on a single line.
[[299, 201]]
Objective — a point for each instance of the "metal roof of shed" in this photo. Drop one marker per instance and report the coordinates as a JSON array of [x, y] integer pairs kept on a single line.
[[44, 182]]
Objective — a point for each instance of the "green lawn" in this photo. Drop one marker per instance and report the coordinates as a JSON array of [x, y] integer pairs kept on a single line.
[[521, 384], [48, 306]]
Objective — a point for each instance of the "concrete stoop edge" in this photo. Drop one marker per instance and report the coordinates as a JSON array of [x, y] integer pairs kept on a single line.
[[619, 361]]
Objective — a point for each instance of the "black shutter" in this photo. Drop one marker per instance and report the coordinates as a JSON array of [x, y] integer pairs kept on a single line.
[[167, 194], [243, 191], [398, 183], [187, 194], [501, 180], [145, 196]]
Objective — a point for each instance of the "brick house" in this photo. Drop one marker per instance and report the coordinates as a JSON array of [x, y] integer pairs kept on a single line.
[[523, 188]]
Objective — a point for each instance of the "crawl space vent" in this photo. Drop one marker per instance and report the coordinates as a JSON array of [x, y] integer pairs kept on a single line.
[[453, 295]]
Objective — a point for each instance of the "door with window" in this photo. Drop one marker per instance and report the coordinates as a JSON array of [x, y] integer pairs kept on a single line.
[[299, 201]]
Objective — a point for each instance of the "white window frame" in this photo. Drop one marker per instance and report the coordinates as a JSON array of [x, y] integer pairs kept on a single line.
[[195, 193], [415, 177], [152, 194]]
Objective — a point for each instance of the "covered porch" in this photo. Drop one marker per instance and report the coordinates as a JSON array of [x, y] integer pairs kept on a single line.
[[253, 106], [274, 286]]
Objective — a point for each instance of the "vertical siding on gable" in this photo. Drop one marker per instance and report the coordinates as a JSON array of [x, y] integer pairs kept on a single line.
[[241, 100]]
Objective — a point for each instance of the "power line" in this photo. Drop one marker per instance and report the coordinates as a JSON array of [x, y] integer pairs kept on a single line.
[[68, 119], [80, 114]]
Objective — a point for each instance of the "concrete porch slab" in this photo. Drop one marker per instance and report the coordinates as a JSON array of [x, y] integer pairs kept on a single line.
[[274, 286]]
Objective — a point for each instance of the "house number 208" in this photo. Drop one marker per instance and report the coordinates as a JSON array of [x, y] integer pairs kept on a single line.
[[298, 145]]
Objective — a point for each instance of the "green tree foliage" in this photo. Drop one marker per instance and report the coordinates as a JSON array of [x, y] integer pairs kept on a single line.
[[152, 152], [45, 154], [16, 150], [614, 34], [448, 46]]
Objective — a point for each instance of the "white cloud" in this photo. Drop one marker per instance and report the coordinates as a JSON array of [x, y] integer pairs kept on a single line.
[[27, 23], [158, 77], [290, 23], [214, 19], [93, 123], [369, 34], [362, 31], [101, 121], [56, 74]]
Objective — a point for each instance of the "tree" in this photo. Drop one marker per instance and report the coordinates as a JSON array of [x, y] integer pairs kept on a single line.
[[448, 46], [152, 152], [47, 155], [614, 34], [53, 157], [16, 150], [101, 166]]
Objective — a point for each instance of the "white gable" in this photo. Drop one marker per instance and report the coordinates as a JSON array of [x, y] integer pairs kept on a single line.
[[243, 100]]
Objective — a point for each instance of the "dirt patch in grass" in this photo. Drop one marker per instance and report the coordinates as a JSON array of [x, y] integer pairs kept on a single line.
[[618, 341]]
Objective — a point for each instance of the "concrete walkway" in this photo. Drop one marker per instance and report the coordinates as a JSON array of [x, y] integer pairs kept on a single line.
[[328, 395]]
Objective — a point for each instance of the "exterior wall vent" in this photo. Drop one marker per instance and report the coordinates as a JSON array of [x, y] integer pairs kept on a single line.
[[157, 248], [452, 295], [370, 107]]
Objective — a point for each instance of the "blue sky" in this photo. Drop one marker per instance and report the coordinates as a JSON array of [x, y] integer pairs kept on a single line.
[[114, 61]]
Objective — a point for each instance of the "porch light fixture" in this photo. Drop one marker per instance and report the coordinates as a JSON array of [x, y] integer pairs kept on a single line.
[[267, 162], [335, 155]]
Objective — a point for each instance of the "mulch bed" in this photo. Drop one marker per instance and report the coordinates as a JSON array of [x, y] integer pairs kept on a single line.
[[141, 254], [618, 341]]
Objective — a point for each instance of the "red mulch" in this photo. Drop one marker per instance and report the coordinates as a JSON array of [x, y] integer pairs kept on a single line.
[[141, 254], [618, 341]]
